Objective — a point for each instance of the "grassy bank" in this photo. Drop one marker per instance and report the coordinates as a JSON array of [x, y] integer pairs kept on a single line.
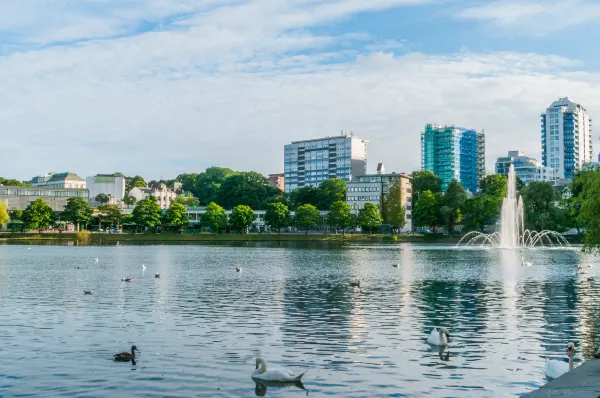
[[173, 238]]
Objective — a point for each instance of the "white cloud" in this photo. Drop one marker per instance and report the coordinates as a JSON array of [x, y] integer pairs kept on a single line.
[[537, 17], [223, 90]]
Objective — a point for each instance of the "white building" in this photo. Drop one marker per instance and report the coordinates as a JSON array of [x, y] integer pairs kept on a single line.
[[161, 193], [111, 185], [41, 180], [526, 168], [310, 162], [63, 180], [389, 192], [566, 137]]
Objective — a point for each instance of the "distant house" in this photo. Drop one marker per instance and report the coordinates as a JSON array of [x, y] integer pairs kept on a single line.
[[161, 193], [59, 180]]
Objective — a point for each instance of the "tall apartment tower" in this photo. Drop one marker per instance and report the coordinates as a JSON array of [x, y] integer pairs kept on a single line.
[[310, 162], [454, 153], [566, 137]]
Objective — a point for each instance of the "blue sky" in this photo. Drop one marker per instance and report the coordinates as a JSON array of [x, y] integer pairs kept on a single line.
[[162, 87]]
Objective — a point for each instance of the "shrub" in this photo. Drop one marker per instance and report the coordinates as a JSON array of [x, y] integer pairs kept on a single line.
[[83, 236]]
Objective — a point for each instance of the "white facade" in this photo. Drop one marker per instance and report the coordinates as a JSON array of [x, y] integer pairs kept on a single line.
[[566, 137], [526, 168], [59, 180], [108, 184], [162, 194]]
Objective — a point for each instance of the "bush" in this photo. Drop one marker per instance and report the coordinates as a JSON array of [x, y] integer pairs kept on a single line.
[[83, 236], [391, 238]]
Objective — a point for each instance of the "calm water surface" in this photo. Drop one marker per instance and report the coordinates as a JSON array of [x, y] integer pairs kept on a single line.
[[202, 325]]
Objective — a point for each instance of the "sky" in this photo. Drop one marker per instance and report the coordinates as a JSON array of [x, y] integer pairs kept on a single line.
[[163, 87]]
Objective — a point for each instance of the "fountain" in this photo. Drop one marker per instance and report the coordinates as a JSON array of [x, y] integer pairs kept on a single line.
[[512, 227]]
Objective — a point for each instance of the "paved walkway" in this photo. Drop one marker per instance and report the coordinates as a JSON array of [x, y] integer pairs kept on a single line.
[[581, 382]]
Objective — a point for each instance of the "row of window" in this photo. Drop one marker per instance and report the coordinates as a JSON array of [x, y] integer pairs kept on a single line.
[[43, 192], [363, 198], [363, 189]]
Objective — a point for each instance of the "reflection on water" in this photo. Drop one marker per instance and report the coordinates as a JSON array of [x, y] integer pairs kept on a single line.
[[202, 324]]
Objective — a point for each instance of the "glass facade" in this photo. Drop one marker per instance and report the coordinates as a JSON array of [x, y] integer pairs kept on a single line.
[[454, 153], [526, 168]]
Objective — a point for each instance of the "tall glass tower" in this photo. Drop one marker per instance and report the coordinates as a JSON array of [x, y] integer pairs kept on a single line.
[[566, 137], [454, 152]]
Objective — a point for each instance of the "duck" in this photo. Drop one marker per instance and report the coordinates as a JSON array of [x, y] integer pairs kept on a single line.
[[590, 279], [238, 269], [88, 292], [157, 275], [523, 262], [395, 265], [276, 374], [131, 279], [355, 283], [126, 356], [556, 368], [597, 354], [439, 337], [144, 268]]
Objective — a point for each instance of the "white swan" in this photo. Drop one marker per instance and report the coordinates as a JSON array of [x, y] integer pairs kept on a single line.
[[523, 262], [144, 268], [556, 368], [262, 373], [439, 337], [96, 260]]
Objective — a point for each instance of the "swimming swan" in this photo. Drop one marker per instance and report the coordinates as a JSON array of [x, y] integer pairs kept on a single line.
[[144, 268], [439, 337], [523, 262], [556, 368], [261, 373]]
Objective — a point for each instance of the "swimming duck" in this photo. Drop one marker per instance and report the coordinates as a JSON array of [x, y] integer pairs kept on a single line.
[[88, 292], [556, 368], [238, 269], [439, 337], [395, 265], [128, 279], [157, 275], [126, 356], [355, 283], [590, 278], [282, 375]]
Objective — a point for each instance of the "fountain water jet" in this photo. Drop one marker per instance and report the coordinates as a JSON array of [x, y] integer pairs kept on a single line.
[[512, 233]]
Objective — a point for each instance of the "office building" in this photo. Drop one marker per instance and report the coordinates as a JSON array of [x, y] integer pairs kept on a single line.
[[111, 185], [277, 181], [566, 137], [310, 162], [392, 193], [526, 168], [454, 153], [18, 198]]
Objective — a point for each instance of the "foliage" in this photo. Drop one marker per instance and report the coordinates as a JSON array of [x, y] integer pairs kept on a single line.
[[188, 200], [588, 199], [427, 210], [242, 217], [425, 180], [392, 211], [305, 196], [147, 213], [102, 198], [176, 215], [129, 200], [480, 211], [132, 182], [4, 217], [214, 217], [13, 183], [541, 210], [207, 184], [331, 191], [38, 215], [246, 188], [307, 216], [77, 211], [339, 215], [277, 216], [369, 217], [17, 215], [110, 215], [158, 183], [187, 181], [83, 236], [454, 199], [494, 186]]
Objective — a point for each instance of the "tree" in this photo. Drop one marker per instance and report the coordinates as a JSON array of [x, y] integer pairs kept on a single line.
[[369, 217], [541, 211], [188, 200], [102, 198], [214, 217], [132, 182], [494, 186], [110, 215], [392, 211], [17, 215], [147, 213], [454, 199], [426, 212], [38, 215], [187, 181], [305, 196], [208, 184], [4, 217], [331, 191], [480, 211], [277, 216], [307, 216], [339, 215], [246, 188], [129, 200], [77, 211], [242, 217], [13, 183], [176, 215], [425, 180], [589, 213]]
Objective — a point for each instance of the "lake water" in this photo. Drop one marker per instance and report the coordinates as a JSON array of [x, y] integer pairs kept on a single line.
[[202, 325]]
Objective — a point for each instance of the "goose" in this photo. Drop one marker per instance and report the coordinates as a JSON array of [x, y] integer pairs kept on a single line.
[[131, 279], [157, 275], [238, 269], [126, 356], [556, 368], [88, 292], [262, 373], [144, 268], [439, 337], [355, 283], [523, 262]]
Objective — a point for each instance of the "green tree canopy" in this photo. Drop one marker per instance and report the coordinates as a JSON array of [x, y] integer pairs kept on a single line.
[[369, 217], [479, 212], [494, 186], [454, 199], [307, 216], [102, 198], [425, 180], [541, 210], [147, 213], [188, 181], [587, 191], [392, 211], [339, 215], [4, 217], [129, 200], [17, 215], [277, 216], [188, 200], [208, 183], [426, 213], [331, 191], [305, 196], [246, 188], [214, 217], [77, 211], [176, 215], [242, 217], [11, 182], [38, 215], [132, 182], [110, 215]]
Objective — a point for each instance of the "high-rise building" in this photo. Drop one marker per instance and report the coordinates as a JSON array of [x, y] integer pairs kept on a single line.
[[566, 137], [526, 168], [310, 162], [454, 153]]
